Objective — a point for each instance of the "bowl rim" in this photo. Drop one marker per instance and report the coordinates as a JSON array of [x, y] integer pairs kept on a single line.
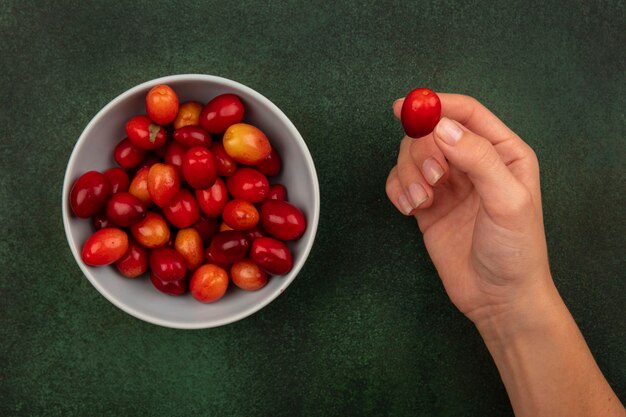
[[209, 323]]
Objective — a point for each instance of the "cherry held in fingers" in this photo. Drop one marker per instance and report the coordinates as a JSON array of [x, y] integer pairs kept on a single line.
[[421, 112]]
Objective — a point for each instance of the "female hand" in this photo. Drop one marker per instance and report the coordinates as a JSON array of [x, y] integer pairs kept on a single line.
[[473, 186]]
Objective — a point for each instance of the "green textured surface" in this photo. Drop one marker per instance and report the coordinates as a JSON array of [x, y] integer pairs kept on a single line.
[[366, 329]]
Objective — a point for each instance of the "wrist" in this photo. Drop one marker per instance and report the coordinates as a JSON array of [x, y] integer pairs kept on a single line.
[[533, 311], [542, 357]]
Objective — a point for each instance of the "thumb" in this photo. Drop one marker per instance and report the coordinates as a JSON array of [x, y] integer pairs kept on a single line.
[[474, 155]]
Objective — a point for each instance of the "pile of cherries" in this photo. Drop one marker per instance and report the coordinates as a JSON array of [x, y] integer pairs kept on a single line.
[[196, 210]]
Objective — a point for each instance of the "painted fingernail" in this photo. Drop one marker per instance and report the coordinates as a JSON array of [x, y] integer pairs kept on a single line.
[[449, 131], [418, 194], [404, 204], [432, 171]]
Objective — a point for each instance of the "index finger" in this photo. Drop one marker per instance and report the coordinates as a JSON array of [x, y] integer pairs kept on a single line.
[[472, 114]]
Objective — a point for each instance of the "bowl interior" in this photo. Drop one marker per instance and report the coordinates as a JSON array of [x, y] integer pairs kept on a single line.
[[94, 151]]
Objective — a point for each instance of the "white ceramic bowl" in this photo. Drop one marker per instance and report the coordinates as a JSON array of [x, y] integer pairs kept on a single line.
[[94, 151]]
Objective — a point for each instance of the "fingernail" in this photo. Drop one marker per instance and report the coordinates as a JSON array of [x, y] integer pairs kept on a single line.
[[432, 171], [418, 194], [404, 204], [448, 131]]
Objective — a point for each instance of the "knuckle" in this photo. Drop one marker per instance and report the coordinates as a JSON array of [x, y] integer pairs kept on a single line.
[[389, 190], [472, 101], [485, 155], [472, 104], [406, 171], [405, 149], [392, 183], [532, 156], [524, 149], [521, 202], [415, 151], [528, 155], [405, 143], [423, 148]]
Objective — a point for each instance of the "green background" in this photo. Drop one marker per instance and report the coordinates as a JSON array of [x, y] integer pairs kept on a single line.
[[366, 328]]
